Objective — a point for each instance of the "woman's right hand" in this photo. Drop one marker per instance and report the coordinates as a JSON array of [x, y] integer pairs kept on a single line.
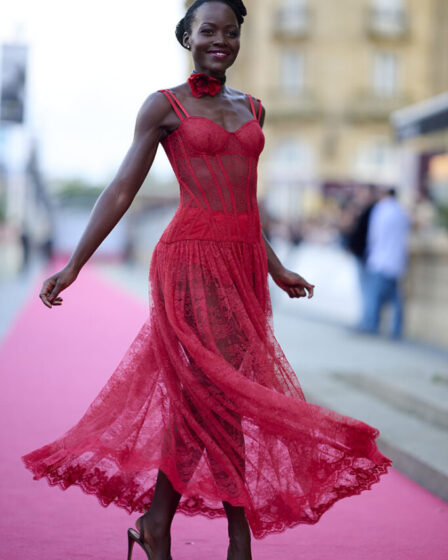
[[53, 285], [114, 201]]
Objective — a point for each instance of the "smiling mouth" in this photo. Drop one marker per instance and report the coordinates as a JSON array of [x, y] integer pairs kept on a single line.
[[219, 54]]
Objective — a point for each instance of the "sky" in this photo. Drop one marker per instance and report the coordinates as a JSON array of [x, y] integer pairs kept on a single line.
[[91, 66]]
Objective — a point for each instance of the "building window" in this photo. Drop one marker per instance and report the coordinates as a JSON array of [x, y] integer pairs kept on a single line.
[[291, 174], [292, 71], [388, 6], [377, 162], [292, 17], [388, 17], [385, 74], [292, 161]]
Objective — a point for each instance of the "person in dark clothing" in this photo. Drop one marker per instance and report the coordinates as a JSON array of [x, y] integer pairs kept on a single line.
[[366, 197]]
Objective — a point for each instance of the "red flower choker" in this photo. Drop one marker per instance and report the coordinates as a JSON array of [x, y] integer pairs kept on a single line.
[[202, 84]]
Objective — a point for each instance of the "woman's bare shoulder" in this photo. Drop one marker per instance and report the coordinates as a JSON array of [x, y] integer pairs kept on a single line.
[[243, 97], [153, 109], [156, 108], [240, 95]]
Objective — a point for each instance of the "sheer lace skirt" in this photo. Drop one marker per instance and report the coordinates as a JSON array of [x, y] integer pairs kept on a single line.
[[205, 394]]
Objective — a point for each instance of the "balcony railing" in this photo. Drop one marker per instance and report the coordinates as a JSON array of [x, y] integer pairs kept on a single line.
[[392, 23], [292, 22], [304, 105], [369, 106]]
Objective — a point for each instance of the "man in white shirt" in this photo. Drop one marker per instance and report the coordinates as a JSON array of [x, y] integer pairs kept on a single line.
[[387, 254]]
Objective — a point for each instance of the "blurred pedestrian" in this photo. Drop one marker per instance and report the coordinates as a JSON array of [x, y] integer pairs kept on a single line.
[[356, 240], [387, 252], [25, 243]]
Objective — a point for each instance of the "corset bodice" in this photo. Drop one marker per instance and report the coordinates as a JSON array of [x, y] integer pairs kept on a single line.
[[217, 174]]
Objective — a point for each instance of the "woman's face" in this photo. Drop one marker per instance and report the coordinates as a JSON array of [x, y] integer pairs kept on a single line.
[[214, 39]]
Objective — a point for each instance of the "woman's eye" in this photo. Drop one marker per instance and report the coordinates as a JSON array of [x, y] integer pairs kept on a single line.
[[210, 31]]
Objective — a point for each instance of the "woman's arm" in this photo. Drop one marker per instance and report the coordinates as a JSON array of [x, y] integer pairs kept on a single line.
[[293, 284], [115, 200], [274, 264]]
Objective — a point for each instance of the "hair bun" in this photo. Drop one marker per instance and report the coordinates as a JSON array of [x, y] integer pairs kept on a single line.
[[238, 6], [180, 30]]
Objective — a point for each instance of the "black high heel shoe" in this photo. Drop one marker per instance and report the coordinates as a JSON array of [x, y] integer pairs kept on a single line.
[[135, 537]]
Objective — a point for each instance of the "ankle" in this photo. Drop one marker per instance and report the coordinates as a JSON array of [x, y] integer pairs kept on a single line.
[[239, 549], [239, 535], [238, 525], [159, 528], [240, 539]]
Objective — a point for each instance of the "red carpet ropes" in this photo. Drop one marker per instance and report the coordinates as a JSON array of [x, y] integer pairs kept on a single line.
[[204, 392]]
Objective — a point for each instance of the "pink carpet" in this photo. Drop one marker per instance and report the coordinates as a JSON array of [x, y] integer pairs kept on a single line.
[[54, 362]]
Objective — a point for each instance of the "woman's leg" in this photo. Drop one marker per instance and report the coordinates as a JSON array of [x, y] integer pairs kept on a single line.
[[231, 341], [397, 310], [239, 533], [156, 522]]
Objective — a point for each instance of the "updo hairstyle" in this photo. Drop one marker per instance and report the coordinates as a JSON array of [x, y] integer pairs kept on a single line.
[[184, 24]]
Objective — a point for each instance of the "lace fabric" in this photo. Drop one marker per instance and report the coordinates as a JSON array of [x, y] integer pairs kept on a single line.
[[204, 392]]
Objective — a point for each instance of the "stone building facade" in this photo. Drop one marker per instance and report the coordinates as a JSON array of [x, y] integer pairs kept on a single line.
[[330, 74]]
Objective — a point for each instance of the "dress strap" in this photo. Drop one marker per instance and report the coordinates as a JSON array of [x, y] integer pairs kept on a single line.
[[175, 103], [253, 108]]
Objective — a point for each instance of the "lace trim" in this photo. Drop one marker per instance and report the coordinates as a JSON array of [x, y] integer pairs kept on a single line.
[[121, 491]]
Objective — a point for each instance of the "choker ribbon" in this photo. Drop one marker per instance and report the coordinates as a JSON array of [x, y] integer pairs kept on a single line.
[[202, 84]]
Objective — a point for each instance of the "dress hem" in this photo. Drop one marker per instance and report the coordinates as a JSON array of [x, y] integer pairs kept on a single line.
[[194, 505]]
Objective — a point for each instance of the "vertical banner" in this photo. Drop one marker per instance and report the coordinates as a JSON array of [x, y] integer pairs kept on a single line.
[[12, 85]]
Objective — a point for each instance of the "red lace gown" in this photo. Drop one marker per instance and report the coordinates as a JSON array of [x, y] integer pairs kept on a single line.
[[204, 392]]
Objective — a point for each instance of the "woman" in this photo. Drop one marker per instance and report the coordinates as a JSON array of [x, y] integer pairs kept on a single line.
[[204, 399]]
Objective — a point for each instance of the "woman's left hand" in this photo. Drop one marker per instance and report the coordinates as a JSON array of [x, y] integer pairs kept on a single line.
[[293, 284]]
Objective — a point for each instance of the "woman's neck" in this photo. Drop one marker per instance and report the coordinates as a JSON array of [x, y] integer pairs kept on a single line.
[[220, 77]]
